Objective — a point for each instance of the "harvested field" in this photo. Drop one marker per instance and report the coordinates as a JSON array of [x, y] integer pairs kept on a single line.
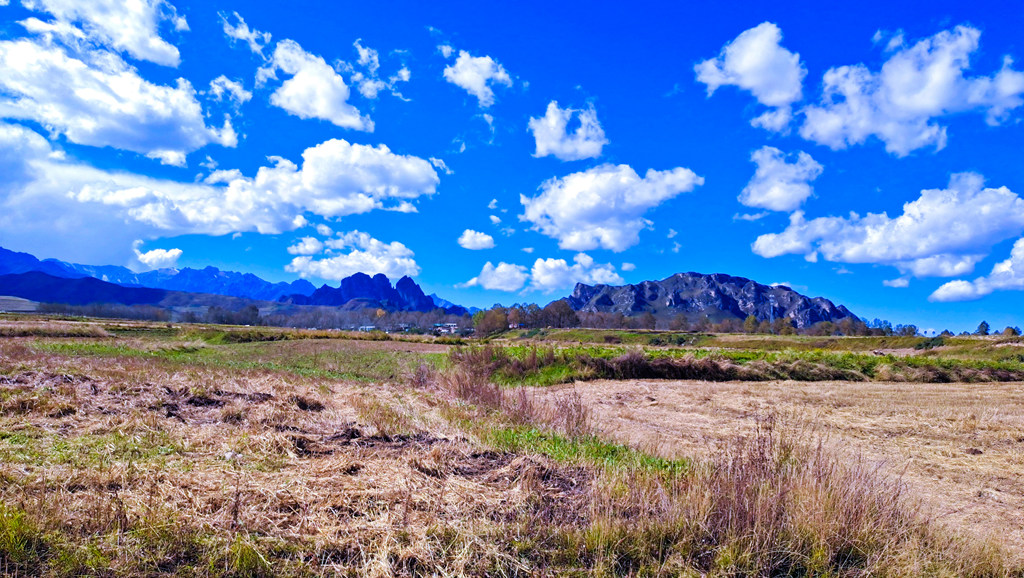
[[151, 451], [94, 448], [959, 447]]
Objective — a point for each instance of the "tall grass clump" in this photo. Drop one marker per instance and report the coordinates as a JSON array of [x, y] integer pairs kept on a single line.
[[774, 504], [60, 330], [22, 545]]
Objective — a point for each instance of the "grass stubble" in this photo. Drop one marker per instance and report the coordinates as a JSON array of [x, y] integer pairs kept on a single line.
[[125, 465]]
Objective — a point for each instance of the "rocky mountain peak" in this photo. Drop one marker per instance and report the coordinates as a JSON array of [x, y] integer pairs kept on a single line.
[[716, 297]]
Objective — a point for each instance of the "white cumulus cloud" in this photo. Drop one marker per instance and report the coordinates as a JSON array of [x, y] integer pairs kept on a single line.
[[477, 75], [1006, 275], [603, 206], [130, 27], [779, 185], [756, 61], [357, 252], [503, 277], [550, 275], [899, 104], [307, 246], [475, 240], [157, 258], [552, 138], [97, 99], [315, 90], [943, 233], [102, 210]]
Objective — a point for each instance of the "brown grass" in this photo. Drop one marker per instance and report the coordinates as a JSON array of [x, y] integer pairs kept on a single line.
[[10, 328], [166, 468], [958, 447]]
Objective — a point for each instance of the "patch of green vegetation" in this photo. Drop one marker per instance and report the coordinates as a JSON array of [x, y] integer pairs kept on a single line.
[[156, 332], [326, 359], [245, 559], [332, 361], [40, 449], [224, 337], [585, 449], [610, 336], [22, 545], [80, 348], [541, 377], [521, 365], [146, 547]]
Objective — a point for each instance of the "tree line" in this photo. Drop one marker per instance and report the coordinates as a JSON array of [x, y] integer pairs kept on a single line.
[[560, 314]]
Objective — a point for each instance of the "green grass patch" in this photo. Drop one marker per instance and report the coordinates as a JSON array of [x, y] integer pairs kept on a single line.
[[586, 449], [22, 544], [529, 365], [323, 359], [34, 447]]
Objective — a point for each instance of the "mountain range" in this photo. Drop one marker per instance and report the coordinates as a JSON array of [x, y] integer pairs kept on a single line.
[[209, 280], [696, 296], [359, 291], [355, 292], [715, 297]]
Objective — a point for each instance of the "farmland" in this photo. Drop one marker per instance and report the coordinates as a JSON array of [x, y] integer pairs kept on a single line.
[[189, 450]]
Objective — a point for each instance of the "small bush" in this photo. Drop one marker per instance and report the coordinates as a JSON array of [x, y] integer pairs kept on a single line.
[[450, 341], [930, 343]]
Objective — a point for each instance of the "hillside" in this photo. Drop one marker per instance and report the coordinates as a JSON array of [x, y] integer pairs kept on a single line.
[[207, 280], [715, 297], [43, 288]]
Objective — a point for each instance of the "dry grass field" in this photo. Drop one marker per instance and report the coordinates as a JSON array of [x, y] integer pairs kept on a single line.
[[959, 447], [152, 450]]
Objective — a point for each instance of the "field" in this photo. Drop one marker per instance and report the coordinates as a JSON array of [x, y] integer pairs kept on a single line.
[[176, 450], [959, 447], [16, 304]]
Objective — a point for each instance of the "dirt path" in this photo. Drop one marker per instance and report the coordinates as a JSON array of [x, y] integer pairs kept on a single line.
[[960, 447]]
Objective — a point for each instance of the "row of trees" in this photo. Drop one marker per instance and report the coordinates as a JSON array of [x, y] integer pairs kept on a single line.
[[304, 317], [985, 329], [560, 314], [108, 310], [498, 318], [334, 318]]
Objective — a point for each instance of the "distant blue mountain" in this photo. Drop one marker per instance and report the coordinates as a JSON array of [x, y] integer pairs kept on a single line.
[[39, 286], [209, 280], [355, 292], [446, 305], [360, 290]]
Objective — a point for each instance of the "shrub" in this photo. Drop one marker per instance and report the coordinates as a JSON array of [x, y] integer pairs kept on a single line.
[[930, 343]]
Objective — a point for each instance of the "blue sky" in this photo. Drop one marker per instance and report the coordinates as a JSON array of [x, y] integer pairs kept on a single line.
[[871, 155]]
